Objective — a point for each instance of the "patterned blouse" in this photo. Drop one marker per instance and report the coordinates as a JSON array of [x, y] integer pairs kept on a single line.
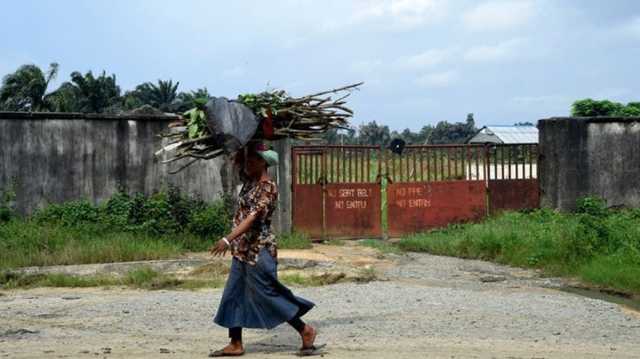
[[255, 197]]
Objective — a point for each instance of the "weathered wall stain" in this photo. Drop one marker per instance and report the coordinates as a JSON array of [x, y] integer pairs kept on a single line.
[[589, 156]]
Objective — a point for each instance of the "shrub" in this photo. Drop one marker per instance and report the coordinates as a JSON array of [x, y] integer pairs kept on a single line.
[[71, 213], [7, 199], [5, 214], [162, 213], [213, 220], [592, 206]]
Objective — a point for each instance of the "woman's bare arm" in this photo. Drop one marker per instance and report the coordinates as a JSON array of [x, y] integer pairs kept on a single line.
[[242, 227], [220, 248], [260, 205]]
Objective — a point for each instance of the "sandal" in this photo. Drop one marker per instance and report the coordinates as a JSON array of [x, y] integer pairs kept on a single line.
[[312, 350], [222, 353]]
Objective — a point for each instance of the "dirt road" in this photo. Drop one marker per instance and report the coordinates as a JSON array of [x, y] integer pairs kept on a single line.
[[424, 307]]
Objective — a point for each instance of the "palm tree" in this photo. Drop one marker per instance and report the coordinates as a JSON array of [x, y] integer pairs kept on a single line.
[[25, 89], [189, 100], [162, 96], [93, 94], [63, 99]]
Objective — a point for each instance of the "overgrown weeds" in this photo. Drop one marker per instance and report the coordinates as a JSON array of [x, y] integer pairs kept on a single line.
[[596, 244]]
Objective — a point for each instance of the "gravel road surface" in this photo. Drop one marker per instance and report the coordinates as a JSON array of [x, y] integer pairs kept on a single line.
[[423, 307]]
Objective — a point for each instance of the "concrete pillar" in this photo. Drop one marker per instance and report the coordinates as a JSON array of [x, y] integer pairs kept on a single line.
[[282, 174]]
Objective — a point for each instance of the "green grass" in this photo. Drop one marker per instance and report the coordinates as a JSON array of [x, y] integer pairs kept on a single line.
[[602, 249], [12, 281], [296, 279], [149, 279], [29, 243], [294, 240], [26, 243], [143, 278], [382, 246], [612, 271]]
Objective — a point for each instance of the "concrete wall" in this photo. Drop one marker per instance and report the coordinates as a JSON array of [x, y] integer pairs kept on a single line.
[[57, 157], [589, 156], [60, 157]]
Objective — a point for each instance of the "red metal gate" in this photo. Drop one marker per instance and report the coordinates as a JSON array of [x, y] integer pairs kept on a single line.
[[308, 192], [336, 191], [512, 171], [433, 186]]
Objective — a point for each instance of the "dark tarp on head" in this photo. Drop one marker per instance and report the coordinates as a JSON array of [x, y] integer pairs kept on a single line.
[[231, 123]]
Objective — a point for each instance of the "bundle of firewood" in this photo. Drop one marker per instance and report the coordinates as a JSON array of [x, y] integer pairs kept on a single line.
[[220, 126]]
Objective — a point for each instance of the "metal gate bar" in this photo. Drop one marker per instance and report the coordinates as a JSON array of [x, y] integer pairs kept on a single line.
[[513, 188]]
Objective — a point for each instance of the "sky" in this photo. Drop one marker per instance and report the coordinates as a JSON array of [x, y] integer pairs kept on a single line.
[[422, 61]]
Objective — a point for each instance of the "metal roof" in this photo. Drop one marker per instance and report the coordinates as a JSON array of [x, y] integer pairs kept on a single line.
[[506, 134]]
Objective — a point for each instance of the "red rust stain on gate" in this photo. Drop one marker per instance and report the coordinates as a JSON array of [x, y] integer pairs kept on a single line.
[[353, 210], [307, 218], [513, 194], [414, 207]]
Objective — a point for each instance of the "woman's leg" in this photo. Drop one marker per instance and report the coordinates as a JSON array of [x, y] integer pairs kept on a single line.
[[297, 324], [307, 332], [235, 334]]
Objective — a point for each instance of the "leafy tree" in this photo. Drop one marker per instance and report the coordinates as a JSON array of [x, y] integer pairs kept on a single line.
[[458, 132], [594, 108], [373, 134], [25, 89], [425, 134]]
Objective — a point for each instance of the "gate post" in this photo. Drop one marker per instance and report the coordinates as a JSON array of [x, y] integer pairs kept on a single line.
[[283, 175], [487, 174], [323, 183]]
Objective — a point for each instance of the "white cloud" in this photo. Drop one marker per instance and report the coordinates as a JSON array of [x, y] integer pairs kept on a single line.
[[416, 12], [499, 15], [490, 53], [425, 59], [438, 79], [368, 11], [397, 14]]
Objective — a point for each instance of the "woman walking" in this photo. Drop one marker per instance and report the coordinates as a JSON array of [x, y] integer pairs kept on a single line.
[[253, 297]]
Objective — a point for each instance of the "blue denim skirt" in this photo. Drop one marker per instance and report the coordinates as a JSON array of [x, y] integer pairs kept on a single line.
[[254, 298]]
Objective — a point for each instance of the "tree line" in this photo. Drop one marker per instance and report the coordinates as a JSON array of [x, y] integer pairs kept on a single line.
[[372, 133], [27, 89], [595, 108]]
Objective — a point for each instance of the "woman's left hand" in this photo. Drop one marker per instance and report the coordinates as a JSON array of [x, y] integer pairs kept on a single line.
[[219, 248]]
